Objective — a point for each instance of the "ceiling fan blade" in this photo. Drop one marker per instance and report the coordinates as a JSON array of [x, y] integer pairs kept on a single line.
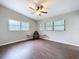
[[43, 12], [39, 7], [32, 8]]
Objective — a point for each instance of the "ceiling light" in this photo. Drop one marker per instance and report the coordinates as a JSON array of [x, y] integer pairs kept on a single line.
[[38, 8]]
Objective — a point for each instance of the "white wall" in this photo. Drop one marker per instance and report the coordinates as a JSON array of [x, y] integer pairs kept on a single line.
[[5, 35], [71, 35]]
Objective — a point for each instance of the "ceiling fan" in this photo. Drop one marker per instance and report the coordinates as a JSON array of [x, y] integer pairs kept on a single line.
[[38, 9]]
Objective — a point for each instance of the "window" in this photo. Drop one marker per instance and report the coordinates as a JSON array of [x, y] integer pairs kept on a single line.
[[49, 25], [25, 26], [59, 25], [42, 26], [18, 26], [14, 25], [46, 26]]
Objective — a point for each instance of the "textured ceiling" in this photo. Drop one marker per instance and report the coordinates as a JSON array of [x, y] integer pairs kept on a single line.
[[55, 7]]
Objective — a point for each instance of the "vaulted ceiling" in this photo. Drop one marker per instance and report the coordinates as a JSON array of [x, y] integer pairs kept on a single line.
[[54, 7]]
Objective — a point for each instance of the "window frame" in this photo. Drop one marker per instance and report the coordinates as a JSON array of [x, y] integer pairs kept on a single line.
[[59, 25], [20, 25], [46, 26]]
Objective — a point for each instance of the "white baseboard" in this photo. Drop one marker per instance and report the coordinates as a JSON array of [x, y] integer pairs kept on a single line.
[[50, 40], [12, 42], [67, 43]]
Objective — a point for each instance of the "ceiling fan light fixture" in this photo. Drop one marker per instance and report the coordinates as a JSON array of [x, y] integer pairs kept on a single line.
[[38, 13], [38, 8]]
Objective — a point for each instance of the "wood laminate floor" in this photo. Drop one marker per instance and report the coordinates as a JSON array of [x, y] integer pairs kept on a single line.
[[38, 49]]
